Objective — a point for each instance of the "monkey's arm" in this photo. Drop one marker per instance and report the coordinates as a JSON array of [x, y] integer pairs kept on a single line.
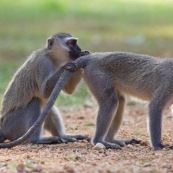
[[50, 82], [72, 83], [47, 76], [53, 74]]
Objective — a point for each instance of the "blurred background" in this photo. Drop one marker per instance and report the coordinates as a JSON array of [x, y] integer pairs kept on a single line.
[[141, 26]]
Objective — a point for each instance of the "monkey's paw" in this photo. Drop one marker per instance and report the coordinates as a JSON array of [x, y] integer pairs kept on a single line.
[[131, 141], [170, 147], [160, 147], [74, 138], [108, 145], [85, 52], [49, 140], [71, 66], [123, 143], [111, 145]]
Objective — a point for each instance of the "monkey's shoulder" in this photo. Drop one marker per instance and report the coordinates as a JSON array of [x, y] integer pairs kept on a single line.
[[38, 54], [37, 59]]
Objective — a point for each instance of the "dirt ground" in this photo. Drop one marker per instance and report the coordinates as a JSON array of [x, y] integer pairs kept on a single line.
[[79, 157]]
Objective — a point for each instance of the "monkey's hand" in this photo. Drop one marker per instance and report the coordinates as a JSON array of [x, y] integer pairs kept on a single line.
[[85, 52], [71, 66]]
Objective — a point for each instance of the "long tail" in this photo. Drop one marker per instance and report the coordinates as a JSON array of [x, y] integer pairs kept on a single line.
[[64, 78]]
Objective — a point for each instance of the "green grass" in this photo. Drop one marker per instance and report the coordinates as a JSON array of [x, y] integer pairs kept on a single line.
[[143, 26]]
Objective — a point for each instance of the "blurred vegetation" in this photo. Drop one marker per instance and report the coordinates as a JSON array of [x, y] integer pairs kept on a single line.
[[143, 26]]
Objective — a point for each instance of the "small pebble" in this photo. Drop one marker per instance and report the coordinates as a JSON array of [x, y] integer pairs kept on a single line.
[[147, 164], [20, 167], [98, 146], [37, 168], [69, 169]]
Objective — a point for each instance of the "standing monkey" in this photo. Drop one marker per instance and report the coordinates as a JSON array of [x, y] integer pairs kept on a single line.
[[112, 75], [30, 88]]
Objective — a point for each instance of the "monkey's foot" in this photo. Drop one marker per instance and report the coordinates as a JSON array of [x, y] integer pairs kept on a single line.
[[170, 147], [49, 140], [109, 145], [161, 146], [122, 143], [74, 138]]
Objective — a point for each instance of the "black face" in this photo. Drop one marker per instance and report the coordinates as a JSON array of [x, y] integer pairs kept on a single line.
[[71, 43], [75, 50]]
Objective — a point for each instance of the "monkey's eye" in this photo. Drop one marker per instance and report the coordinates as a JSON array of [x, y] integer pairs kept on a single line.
[[72, 42]]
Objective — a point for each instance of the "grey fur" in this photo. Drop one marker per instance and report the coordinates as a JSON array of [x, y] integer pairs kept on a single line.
[[29, 90], [112, 75]]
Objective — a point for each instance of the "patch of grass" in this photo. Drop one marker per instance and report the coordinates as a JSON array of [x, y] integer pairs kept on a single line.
[[74, 157], [89, 124]]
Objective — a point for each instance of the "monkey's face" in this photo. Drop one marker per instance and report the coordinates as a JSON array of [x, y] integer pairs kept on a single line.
[[75, 50], [63, 42]]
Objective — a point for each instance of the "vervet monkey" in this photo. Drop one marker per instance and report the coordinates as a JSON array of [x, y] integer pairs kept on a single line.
[[112, 75], [30, 87]]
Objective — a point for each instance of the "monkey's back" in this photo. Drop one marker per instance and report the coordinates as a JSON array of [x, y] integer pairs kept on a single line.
[[23, 85], [135, 74]]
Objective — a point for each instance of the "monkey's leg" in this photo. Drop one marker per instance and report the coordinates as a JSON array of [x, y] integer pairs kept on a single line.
[[107, 109], [101, 87], [54, 124], [155, 123], [13, 124], [17, 122], [116, 123], [31, 114], [158, 102]]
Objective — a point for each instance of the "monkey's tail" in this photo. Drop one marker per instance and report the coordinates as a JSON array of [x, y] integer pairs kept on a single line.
[[2, 137], [83, 61], [59, 85]]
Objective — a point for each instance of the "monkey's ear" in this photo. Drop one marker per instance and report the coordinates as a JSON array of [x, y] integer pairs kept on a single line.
[[50, 43]]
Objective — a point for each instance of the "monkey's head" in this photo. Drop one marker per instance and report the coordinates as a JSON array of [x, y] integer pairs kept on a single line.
[[64, 43]]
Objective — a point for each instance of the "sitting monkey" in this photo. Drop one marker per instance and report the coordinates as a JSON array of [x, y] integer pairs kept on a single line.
[[30, 87]]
